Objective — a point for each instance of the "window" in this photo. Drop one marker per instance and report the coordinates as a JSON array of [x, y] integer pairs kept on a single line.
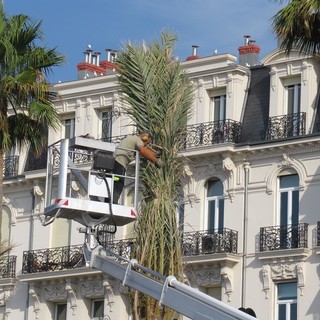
[[106, 125], [218, 108], [293, 98], [288, 210], [69, 128], [97, 310], [61, 311], [287, 301], [293, 110], [215, 205], [214, 292]]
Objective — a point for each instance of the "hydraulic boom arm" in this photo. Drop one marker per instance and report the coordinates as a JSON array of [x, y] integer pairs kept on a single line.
[[168, 291]]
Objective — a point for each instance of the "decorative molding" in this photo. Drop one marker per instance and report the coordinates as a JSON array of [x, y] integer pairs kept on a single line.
[[206, 277], [72, 296], [37, 191], [34, 294], [286, 270], [200, 90], [273, 78], [304, 68], [266, 280], [55, 292], [228, 165], [285, 162], [92, 288], [109, 296], [226, 280], [191, 199]]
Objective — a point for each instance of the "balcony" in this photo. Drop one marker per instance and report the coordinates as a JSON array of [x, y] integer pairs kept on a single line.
[[206, 242], [60, 258], [211, 133], [286, 126], [10, 166], [318, 234], [284, 237], [71, 257], [8, 267]]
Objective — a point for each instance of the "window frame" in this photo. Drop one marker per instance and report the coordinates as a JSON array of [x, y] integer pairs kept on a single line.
[[56, 310], [218, 110], [106, 136], [93, 310], [214, 220], [288, 302], [71, 126]]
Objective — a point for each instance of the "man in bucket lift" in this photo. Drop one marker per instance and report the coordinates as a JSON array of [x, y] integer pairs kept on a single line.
[[123, 156]]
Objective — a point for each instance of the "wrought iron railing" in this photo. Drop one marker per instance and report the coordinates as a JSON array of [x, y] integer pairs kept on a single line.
[[210, 133], [8, 267], [10, 166], [80, 156], [60, 258], [206, 242], [286, 126], [284, 237], [318, 233], [124, 248]]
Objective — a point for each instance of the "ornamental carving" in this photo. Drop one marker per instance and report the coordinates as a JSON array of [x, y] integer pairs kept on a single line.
[[208, 277], [92, 288], [54, 293]]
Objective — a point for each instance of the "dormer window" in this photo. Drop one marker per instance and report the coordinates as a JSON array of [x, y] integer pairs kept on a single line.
[[218, 108], [293, 98]]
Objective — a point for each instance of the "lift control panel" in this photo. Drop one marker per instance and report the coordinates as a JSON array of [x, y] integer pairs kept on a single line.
[[80, 183]]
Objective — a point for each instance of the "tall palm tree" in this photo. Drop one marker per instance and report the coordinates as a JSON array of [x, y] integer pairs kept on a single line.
[[158, 96], [298, 25], [26, 108]]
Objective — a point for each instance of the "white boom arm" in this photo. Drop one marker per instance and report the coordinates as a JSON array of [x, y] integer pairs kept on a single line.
[[168, 291]]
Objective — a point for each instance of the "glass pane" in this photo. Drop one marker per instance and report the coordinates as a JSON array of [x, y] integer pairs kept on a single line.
[[219, 108], [215, 188], [221, 215], [98, 309], [282, 312], [61, 312], [290, 181], [290, 99], [211, 215], [284, 209], [293, 311], [287, 291], [295, 207]]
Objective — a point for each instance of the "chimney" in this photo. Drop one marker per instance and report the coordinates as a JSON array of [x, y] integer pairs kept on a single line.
[[249, 52], [194, 53], [91, 65], [108, 54]]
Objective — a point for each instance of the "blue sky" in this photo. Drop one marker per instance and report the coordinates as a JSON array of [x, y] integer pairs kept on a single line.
[[70, 25]]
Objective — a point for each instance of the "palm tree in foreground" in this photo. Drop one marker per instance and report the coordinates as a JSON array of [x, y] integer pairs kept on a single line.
[[158, 96], [26, 108], [298, 25]]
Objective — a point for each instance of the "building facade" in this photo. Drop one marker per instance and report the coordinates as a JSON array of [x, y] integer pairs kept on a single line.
[[249, 216]]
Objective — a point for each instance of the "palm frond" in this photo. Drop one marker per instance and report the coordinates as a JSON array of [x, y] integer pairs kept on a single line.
[[158, 96]]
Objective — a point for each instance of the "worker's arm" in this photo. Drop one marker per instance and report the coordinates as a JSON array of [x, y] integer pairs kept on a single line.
[[150, 155]]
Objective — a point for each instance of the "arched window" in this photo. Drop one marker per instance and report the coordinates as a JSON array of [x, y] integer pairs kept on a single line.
[[215, 205], [289, 199], [288, 212]]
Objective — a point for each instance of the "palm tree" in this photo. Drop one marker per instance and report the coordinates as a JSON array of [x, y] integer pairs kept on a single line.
[[158, 96], [5, 247], [26, 108], [298, 25]]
